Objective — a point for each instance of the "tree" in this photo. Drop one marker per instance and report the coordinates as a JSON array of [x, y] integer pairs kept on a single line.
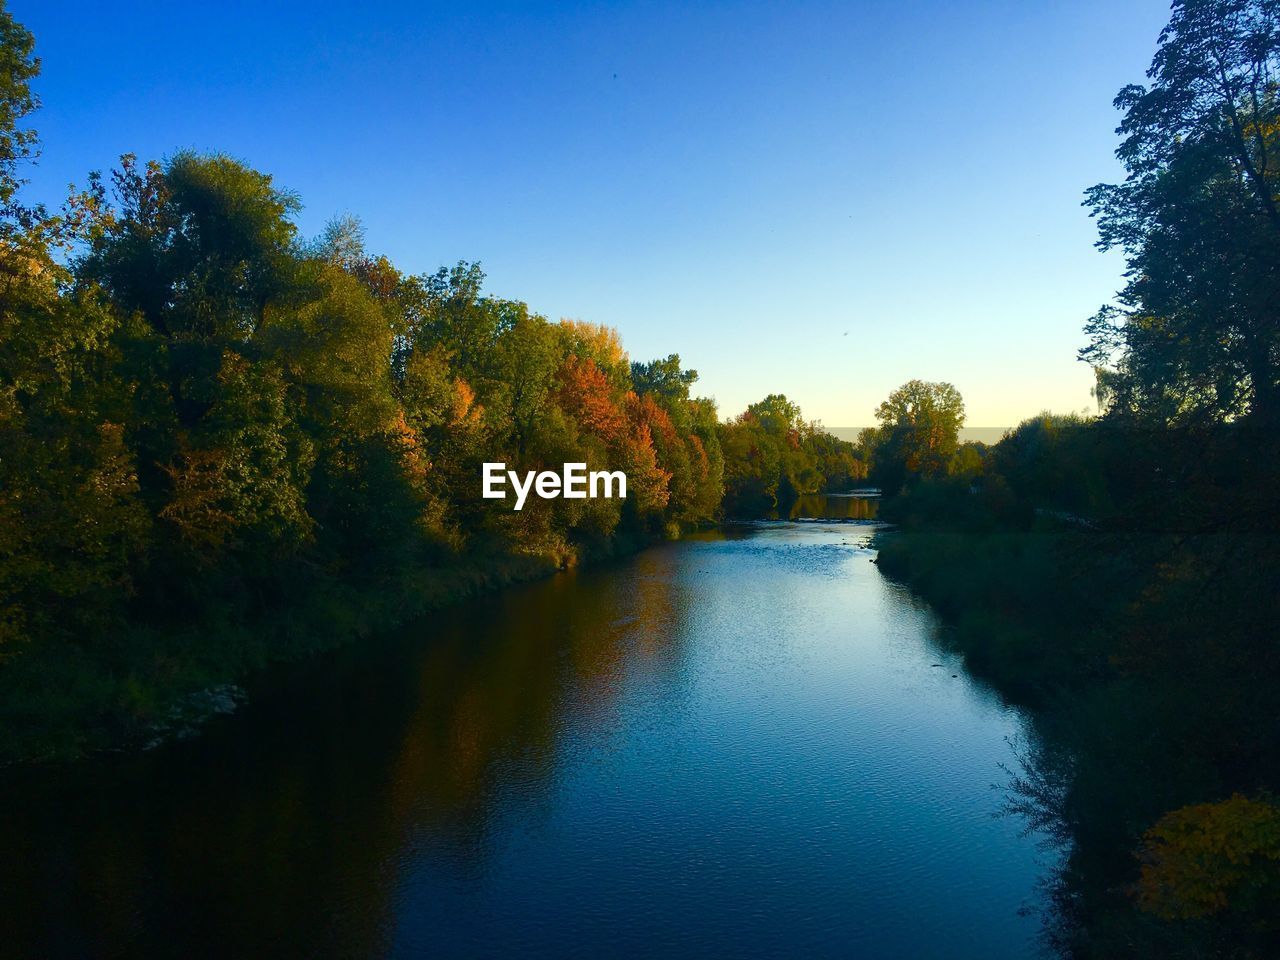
[[685, 437], [526, 355], [663, 377], [1195, 336], [919, 432], [18, 67], [205, 420], [772, 455], [446, 308], [71, 522], [1214, 858], [777, 416], [599, 342]]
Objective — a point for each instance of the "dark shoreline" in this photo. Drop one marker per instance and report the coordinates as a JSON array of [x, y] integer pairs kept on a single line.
[[327, 616]]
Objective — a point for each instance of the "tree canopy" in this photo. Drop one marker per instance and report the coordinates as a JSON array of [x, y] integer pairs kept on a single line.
[[919, 433], [1195, 335]]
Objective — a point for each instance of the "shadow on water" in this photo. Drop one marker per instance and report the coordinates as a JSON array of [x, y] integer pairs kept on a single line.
[[280, 827]]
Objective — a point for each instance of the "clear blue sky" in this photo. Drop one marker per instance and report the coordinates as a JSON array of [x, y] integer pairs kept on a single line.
[[741, 183]]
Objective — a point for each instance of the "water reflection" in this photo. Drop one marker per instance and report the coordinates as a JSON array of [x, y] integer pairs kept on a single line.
[[285, 826], [731, 745], [835, 506]]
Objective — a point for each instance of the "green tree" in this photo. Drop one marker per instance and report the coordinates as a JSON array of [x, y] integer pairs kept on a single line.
[[666, 378], [72, 527], [1195, 336], [200, 256], [772, 455], [18, 67], [919, 432]]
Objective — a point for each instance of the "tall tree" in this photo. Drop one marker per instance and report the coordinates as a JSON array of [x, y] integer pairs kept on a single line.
[[1195, 336], [932, 414], [18, 67], [664, 377]]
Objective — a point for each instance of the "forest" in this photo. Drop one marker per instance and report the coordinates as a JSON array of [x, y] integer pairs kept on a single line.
[[225, 444]]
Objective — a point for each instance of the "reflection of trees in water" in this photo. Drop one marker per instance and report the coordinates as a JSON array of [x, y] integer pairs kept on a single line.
[[1074, 797], [1037, 792], [832, 507], [496, 695], [287, 828]]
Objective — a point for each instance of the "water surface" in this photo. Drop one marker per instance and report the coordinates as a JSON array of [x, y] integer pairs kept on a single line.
[[737, 745], [835, 506]]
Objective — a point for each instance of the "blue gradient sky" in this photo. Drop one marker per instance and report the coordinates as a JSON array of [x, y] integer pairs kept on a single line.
[[742, 183]]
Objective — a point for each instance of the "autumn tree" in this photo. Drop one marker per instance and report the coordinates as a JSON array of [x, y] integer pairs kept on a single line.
[[686, 438], [1214, 860], [207, 420]]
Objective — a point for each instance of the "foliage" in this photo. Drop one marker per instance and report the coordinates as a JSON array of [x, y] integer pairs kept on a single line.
[[1214, 858], [773, 456], [1114, 576], [18, 67], [1116, 582], [207, 421], [918, 436], [1196, 335]]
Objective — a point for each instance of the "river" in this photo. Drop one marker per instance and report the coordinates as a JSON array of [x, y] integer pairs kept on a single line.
[[745, 744]]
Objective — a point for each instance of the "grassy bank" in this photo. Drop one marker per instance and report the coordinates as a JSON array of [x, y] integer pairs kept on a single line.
[[1006, 599], [63, 701], [1144, 654]]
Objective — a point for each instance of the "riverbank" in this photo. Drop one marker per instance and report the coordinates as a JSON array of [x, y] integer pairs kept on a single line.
[[1140, 648], [63, 702], [1009, 603], [155, 681]]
